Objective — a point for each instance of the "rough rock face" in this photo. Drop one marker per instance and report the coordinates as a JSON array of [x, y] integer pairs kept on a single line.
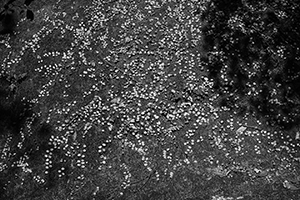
[[109, 100]]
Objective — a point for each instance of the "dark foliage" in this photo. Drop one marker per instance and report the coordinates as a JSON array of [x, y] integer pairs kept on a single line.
[[13, 110], [15, 114], [44, 131], [8, 22], [9, 17], [29, 15], [28, 2], [251, 50]]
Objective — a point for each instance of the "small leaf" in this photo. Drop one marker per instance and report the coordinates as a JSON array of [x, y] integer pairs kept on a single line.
[[297, 137], [241, 130], [74, 136], [28, 2], [29, 15], [22, 77], [289, 185]]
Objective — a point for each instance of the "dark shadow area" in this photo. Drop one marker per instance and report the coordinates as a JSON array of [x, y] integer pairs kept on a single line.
[[21, 144], [252, 52], [11, 14]]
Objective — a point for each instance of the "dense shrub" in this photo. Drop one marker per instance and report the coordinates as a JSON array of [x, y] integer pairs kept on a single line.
[[251, 50]]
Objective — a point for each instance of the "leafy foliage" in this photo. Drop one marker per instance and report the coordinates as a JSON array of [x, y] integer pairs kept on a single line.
[[22, 146], [252, 54], [9, 16]]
